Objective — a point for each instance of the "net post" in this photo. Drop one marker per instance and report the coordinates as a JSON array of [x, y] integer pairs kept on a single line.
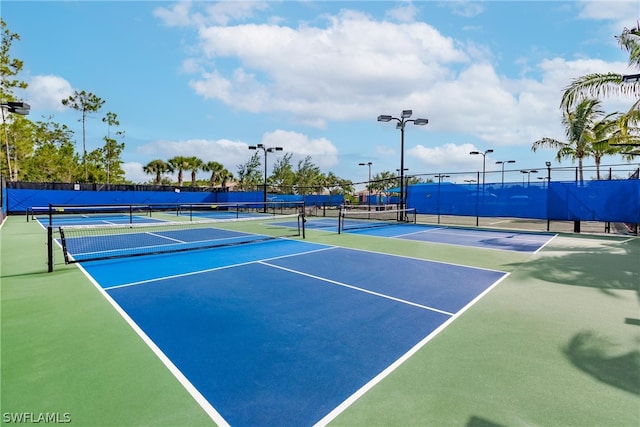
[[340, 214], [49, 249], [130, 214], [50, 215]]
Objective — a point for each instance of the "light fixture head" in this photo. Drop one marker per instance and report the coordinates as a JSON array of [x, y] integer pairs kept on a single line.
[[406, 114], [548, 164], [488, 151], [384, 118], [252, 147], [420, 122], [474, 152]]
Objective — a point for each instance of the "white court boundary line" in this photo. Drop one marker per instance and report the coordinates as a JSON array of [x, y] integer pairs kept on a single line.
[[367, 291], [382, 375], [190, 388]]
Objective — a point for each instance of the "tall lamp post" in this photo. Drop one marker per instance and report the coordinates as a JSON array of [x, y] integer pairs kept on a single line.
[[368, 183], [502, 162], [484, 160], [528, 172], [440, 178], [265, 150], [402, 121]]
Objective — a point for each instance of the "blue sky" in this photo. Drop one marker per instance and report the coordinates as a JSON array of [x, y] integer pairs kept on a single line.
[[211, 78]]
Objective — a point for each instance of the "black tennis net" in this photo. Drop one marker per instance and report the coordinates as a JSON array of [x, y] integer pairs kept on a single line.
[[82, 243], [351, 219]]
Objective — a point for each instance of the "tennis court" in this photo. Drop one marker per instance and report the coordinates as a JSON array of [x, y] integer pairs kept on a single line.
[[381, 325], [258, 331]]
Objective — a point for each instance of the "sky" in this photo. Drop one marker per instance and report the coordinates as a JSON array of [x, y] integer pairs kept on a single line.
[[209, 79]]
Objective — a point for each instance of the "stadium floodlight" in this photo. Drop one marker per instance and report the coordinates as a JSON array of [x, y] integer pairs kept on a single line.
[[528, 173], [484, 158], [265, 150], [502, 162], [368, 183], [402, 121], [630, 78], [21, 108]]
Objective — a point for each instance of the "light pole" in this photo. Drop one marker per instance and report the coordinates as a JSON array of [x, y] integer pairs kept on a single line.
[[402, 121], [368, 183], [484, 160], [502, 162], [440, 177], [265, 150], [21, 108], [528, 172]]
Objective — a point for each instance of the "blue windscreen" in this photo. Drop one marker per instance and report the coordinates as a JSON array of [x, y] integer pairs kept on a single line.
[[615, 200]]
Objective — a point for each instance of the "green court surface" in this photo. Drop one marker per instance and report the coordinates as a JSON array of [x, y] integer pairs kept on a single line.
[[557, 343]]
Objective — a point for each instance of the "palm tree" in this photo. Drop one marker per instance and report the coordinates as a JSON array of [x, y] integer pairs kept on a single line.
[[597, 85], [586, 135], [179, 163], [215, 168], [225, 176], [157, 167], [195, 164]]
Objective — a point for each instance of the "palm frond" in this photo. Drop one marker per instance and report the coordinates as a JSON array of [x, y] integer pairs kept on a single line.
[[596, 85]]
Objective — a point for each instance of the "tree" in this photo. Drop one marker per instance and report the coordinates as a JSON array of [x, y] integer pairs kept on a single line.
[[9, 67], [195, 164], [157, 167], [225, 176], [337, 185], [308, 177], [586, 135], [180, 164], [383, 181], [85, 103], [249, 174], [54, 158], [219, 174], [602, 85], [282, 176], [112, 150]]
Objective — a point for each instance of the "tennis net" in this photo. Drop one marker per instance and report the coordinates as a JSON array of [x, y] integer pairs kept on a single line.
[[350, 219], [82, 243], [90, 214], [238, 209]]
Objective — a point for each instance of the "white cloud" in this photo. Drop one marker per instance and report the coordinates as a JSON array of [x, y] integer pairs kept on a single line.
[[405, 12], [621, 14], [455, 157], [321, 74], [232, 153], [46, 92], [229, 153], [323, 153], [133, 172]]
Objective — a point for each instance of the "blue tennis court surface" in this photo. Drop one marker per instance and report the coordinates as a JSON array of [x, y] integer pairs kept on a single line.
[[488, 239], [283, 332]]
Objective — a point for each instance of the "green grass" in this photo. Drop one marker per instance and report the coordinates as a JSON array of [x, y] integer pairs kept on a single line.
[[66, 350], [554, 344]]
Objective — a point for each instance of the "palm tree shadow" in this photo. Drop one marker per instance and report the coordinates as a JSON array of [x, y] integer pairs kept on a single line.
[[610, 266], [589, 352]]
